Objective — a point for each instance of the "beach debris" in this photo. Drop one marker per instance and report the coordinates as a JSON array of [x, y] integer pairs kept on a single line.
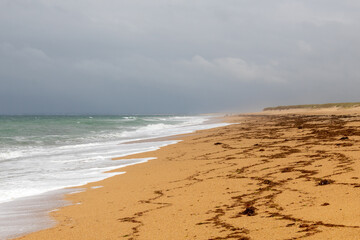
[[261, 150], [269, 182], [240, 170], [325, 204], [217, 143], [249, 211], [201, 223], [344, 144], [304, 225], [344, 138], [287, 169], [325, 182]]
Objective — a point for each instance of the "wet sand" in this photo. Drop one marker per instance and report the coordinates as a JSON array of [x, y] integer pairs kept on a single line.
[[273, 176]]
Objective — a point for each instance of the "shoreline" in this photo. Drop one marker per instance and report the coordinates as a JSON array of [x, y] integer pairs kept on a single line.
[[272, 174], [38, 217]]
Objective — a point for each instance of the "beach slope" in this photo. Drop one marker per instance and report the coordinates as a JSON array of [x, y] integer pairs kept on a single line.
[[272, 176]]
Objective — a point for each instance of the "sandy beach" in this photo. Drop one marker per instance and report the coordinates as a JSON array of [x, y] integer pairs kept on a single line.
[[271, 175]]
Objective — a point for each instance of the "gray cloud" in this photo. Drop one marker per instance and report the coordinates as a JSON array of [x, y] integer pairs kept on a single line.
[[160, 56]]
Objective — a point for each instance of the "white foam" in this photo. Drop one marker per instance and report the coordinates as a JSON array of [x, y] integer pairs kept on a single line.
[[34, 171], [58, 175], [26, 172], [26, 215], [163, 130]]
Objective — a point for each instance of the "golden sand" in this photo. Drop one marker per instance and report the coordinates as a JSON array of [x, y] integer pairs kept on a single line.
[[273, 176]]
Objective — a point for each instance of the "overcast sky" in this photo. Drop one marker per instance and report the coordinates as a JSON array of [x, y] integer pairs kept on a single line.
[[176, 56]]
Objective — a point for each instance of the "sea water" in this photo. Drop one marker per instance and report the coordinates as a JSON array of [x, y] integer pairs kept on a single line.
[[41, 156]]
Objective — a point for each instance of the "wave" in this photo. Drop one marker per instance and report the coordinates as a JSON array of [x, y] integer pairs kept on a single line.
[[61, 156], [38, 168]]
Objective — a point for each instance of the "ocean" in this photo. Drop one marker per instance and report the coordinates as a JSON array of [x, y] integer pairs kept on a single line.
[[42, 156]]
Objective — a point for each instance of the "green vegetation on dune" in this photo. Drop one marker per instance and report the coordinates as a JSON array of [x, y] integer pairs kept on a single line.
[[315, 106]]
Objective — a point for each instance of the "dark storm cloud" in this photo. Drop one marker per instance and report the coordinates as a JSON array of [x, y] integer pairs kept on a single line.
[[175, 56]]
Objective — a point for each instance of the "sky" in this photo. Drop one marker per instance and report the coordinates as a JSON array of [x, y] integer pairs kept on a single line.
[[176, 56]]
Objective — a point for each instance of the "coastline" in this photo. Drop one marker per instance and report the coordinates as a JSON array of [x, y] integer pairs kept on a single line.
[[30, 213], [277, 175], [51, 165]]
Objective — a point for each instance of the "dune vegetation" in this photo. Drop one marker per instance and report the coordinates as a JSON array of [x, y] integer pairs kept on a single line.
[[315, 106]]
